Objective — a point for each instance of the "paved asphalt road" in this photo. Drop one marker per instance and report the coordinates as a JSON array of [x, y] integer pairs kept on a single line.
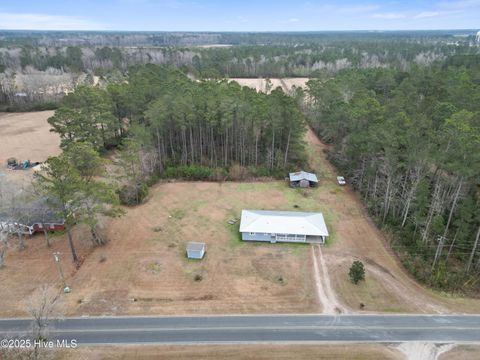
[[257, 328]]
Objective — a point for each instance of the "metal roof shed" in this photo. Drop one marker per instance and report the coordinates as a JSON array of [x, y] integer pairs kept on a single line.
[[195, 250], [302, 179]]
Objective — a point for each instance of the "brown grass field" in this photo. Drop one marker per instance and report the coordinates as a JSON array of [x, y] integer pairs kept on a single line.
[[236, 352], [350, 351], [143, 270], [462, 352]]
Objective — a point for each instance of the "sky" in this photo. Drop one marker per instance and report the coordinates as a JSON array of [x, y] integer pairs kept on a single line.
[[246, 15]]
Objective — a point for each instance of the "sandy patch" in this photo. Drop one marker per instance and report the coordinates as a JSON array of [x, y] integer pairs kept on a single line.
[[260, 84], [423, 351]]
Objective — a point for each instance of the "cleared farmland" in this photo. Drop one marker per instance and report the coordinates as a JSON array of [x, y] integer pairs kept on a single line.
[[26, 136]]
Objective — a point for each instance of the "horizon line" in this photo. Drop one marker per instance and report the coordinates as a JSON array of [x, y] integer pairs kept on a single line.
[[239, 31]]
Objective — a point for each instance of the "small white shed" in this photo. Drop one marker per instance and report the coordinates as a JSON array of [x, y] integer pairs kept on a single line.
[[195, 250]]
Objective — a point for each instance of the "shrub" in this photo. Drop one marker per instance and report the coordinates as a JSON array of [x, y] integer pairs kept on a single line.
[[238, 172], [259, 171], [218, 174], [133, 195], [190, 172], [357, 272], [152, 180]]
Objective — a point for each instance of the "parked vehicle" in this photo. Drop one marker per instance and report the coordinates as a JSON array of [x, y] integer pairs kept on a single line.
[[14, 164], [341, 181]]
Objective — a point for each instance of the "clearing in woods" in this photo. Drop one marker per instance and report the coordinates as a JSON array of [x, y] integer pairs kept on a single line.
[[143, 270], [260, 84]]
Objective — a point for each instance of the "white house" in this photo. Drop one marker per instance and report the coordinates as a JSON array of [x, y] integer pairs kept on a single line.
[[283, 226]]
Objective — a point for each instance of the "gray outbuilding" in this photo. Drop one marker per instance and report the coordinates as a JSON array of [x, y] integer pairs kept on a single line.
[[302, 179], [283, 226], [195, 250]]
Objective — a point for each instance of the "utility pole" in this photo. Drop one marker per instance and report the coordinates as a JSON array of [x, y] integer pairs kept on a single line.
[[441, 243], [56, 256]]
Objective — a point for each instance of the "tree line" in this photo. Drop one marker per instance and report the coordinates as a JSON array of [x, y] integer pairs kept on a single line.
[[42, 66], [169, 125], [409, 142]]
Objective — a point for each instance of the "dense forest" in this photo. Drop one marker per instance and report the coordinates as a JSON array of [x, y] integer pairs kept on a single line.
[[167, 124], [40, 67], [184, 38], [409, 142]]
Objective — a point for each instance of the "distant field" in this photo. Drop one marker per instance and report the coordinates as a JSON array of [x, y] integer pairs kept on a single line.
[[260, 84], [211, 46], [26, 136]]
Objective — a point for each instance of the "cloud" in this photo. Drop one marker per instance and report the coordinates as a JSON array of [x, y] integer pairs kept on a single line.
[[33, 21], [389, 16], [431, 14], [427, 14]]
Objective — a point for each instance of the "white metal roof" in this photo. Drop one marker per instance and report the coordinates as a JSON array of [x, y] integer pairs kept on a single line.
[[283, 222], [195, 246], [302, 175]]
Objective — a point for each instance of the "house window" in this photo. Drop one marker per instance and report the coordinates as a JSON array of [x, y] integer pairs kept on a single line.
[[291, 237]]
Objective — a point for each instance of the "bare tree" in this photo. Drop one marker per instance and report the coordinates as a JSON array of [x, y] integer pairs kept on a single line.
[[3, 244], [11, 215], [43, 305]]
